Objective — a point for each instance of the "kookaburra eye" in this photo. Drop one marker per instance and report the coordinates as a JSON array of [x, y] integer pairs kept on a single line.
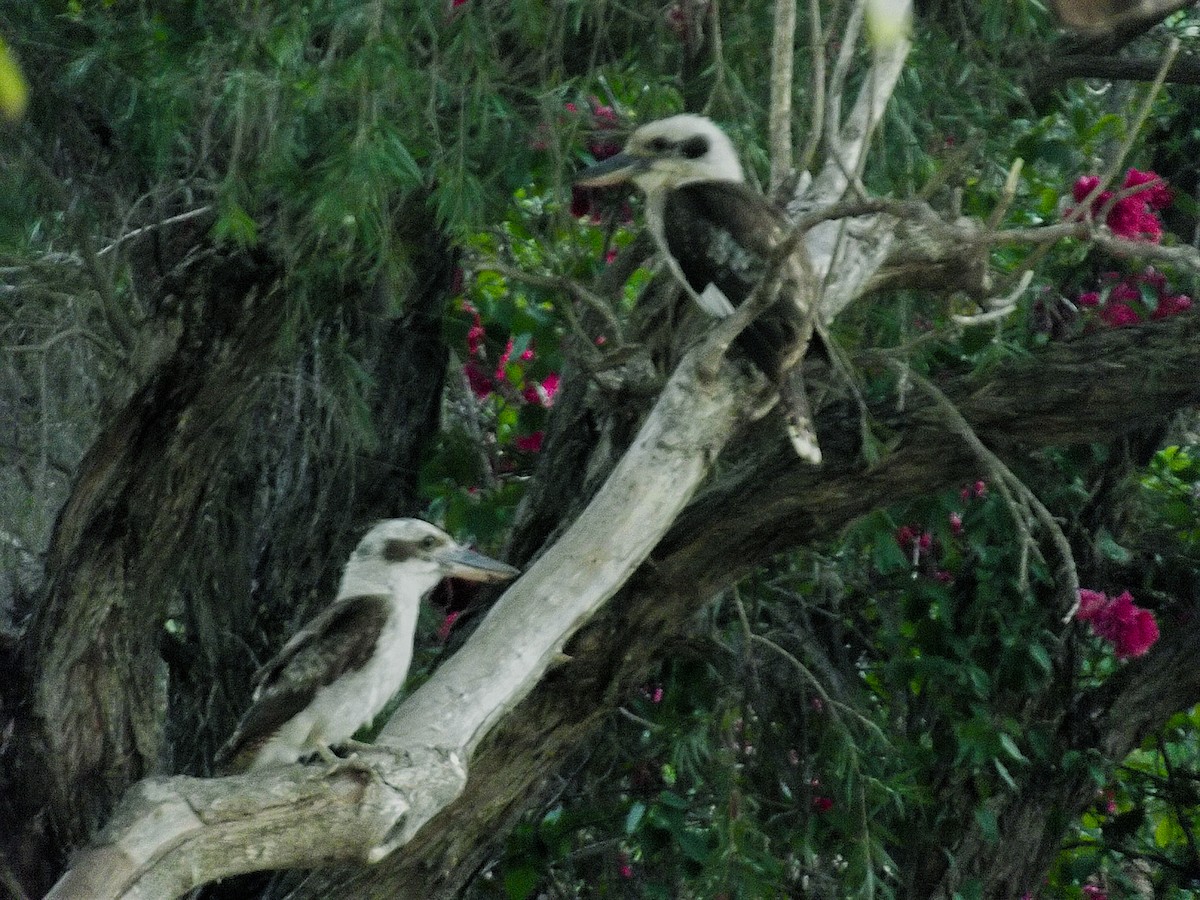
[[660, 145], [429, 542]]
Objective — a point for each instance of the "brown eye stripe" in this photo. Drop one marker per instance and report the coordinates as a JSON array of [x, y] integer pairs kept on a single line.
[[399, 551]]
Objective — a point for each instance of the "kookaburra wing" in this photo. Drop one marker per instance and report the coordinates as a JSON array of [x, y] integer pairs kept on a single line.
[[717, 236], [340, 670]]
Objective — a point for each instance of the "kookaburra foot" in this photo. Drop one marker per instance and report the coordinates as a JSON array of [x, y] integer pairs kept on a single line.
[[335, 764]]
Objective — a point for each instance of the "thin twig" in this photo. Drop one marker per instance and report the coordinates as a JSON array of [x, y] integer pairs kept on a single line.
[[816, 90], [780, 115], [173, 220], [1008, 484]]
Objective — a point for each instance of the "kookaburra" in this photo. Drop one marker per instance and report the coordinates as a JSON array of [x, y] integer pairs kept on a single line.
[[717, 236], [340, 670]]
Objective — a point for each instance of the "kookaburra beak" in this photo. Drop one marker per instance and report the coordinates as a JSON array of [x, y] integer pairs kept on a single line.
[[613, 170], [459, 562]]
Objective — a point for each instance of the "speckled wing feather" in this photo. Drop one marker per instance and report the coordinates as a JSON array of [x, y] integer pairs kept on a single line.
[[722, 235], [338, 641]]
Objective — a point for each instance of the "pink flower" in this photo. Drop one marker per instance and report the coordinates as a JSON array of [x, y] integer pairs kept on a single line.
[[943, 577], [1084, 186], [1157, 197], [1094, 892], [822, 804], [956, 525], [657, 696], [481, 385], [980, 488], [610, 256], [475, 338], [447, 625], [1171, 304], [1119, 314], [1110, 801], [1090, 603], [1130, 217], [605, 116], [543, 393], [503, 362], [1130, 629], [530, 443], [1090, 298], [623, 865], [602, 150]]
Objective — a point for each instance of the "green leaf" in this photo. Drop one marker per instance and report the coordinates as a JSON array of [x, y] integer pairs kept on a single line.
[[693, 844], [520, 881], [1011, 748], [1041, 656], [634, 817], [887, 557], [988, 826], [1110, 549], [14, 93], [1168, 832], [1005, 775], [235, 224]]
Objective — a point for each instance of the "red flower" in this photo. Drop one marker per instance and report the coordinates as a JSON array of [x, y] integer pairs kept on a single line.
[[1090, 298], [504, 358], [1130, 629], [602, 150], [1090, 603], [822, 804], [581, 201], [447, 625], [1118, 314], [475, 338], [481, 385], [530, 443], [1158, 197], [1084, 186], [1171, 304], [1131, 217]]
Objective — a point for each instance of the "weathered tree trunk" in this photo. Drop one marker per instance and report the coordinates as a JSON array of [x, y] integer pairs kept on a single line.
[[93, 654], [96, 682]]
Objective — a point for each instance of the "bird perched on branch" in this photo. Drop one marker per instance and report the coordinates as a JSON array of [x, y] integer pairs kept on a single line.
[[718, 237], [340, 670]]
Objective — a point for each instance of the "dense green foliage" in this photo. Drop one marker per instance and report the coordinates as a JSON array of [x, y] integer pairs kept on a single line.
[[837, 718]]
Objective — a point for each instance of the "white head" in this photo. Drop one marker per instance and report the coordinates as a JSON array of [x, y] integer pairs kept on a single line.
[[409, 556], [667, 154]]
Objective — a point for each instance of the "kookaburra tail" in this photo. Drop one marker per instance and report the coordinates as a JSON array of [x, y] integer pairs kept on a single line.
[[717, 236], [340, 670]]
